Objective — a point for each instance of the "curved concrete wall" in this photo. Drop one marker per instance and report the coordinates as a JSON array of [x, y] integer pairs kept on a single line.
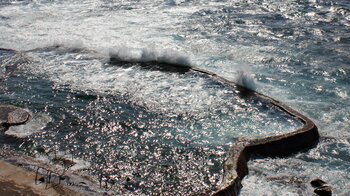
[[235, 166]]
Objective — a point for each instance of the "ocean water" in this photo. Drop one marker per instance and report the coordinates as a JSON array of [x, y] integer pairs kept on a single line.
[[155, 130]]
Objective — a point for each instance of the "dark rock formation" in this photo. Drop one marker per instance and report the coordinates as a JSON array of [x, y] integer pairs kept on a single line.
[[323, 191], [316, 183], [11, 115], [321, 187], [18, 116]]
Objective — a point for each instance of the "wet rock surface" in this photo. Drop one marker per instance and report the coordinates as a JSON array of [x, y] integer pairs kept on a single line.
[[323, 191], [44, 178], [11, 115], [321, 187], [317, 183]]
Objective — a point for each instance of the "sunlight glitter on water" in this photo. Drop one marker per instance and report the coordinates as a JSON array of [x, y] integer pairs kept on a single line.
[[296, 52]]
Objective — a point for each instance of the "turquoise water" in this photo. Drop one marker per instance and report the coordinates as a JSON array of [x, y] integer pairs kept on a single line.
[[124, 118]]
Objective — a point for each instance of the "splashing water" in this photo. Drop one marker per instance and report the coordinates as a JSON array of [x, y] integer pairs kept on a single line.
[[125, 116]]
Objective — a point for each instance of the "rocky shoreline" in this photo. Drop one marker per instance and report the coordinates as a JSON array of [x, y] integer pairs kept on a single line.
[[15, 180], [42, 178], [25, 175]]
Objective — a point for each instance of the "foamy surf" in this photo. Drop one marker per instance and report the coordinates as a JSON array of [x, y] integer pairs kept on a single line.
[[246, 79], [71, 68], [297, 51], [143, 55]]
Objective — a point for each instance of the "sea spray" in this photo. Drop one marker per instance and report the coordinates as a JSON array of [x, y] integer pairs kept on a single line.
[[142, 55], [246, 79], [174, 2], [291, 44]]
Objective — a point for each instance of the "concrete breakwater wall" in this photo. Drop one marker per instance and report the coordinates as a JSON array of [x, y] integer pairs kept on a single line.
[[235, 167]]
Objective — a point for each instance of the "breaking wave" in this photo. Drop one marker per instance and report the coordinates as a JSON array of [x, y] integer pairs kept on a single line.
[[145, 55], [246, 79]]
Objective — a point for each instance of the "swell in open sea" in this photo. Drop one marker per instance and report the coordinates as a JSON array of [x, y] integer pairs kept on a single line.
[[92, 75]]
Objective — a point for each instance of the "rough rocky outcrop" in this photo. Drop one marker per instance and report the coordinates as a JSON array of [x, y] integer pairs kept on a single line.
[[323, 191], [321, 187], [11, 115], [317, 183]]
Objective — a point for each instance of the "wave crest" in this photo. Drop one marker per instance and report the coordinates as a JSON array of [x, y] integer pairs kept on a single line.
[[246, 80], [146, 55]]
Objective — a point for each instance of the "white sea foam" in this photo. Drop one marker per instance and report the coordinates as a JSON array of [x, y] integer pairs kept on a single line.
[[292, 176], [342, 93], [101, 24], [175, 2], [246, 79], [153, 89], [168, 56], [258, 185]]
